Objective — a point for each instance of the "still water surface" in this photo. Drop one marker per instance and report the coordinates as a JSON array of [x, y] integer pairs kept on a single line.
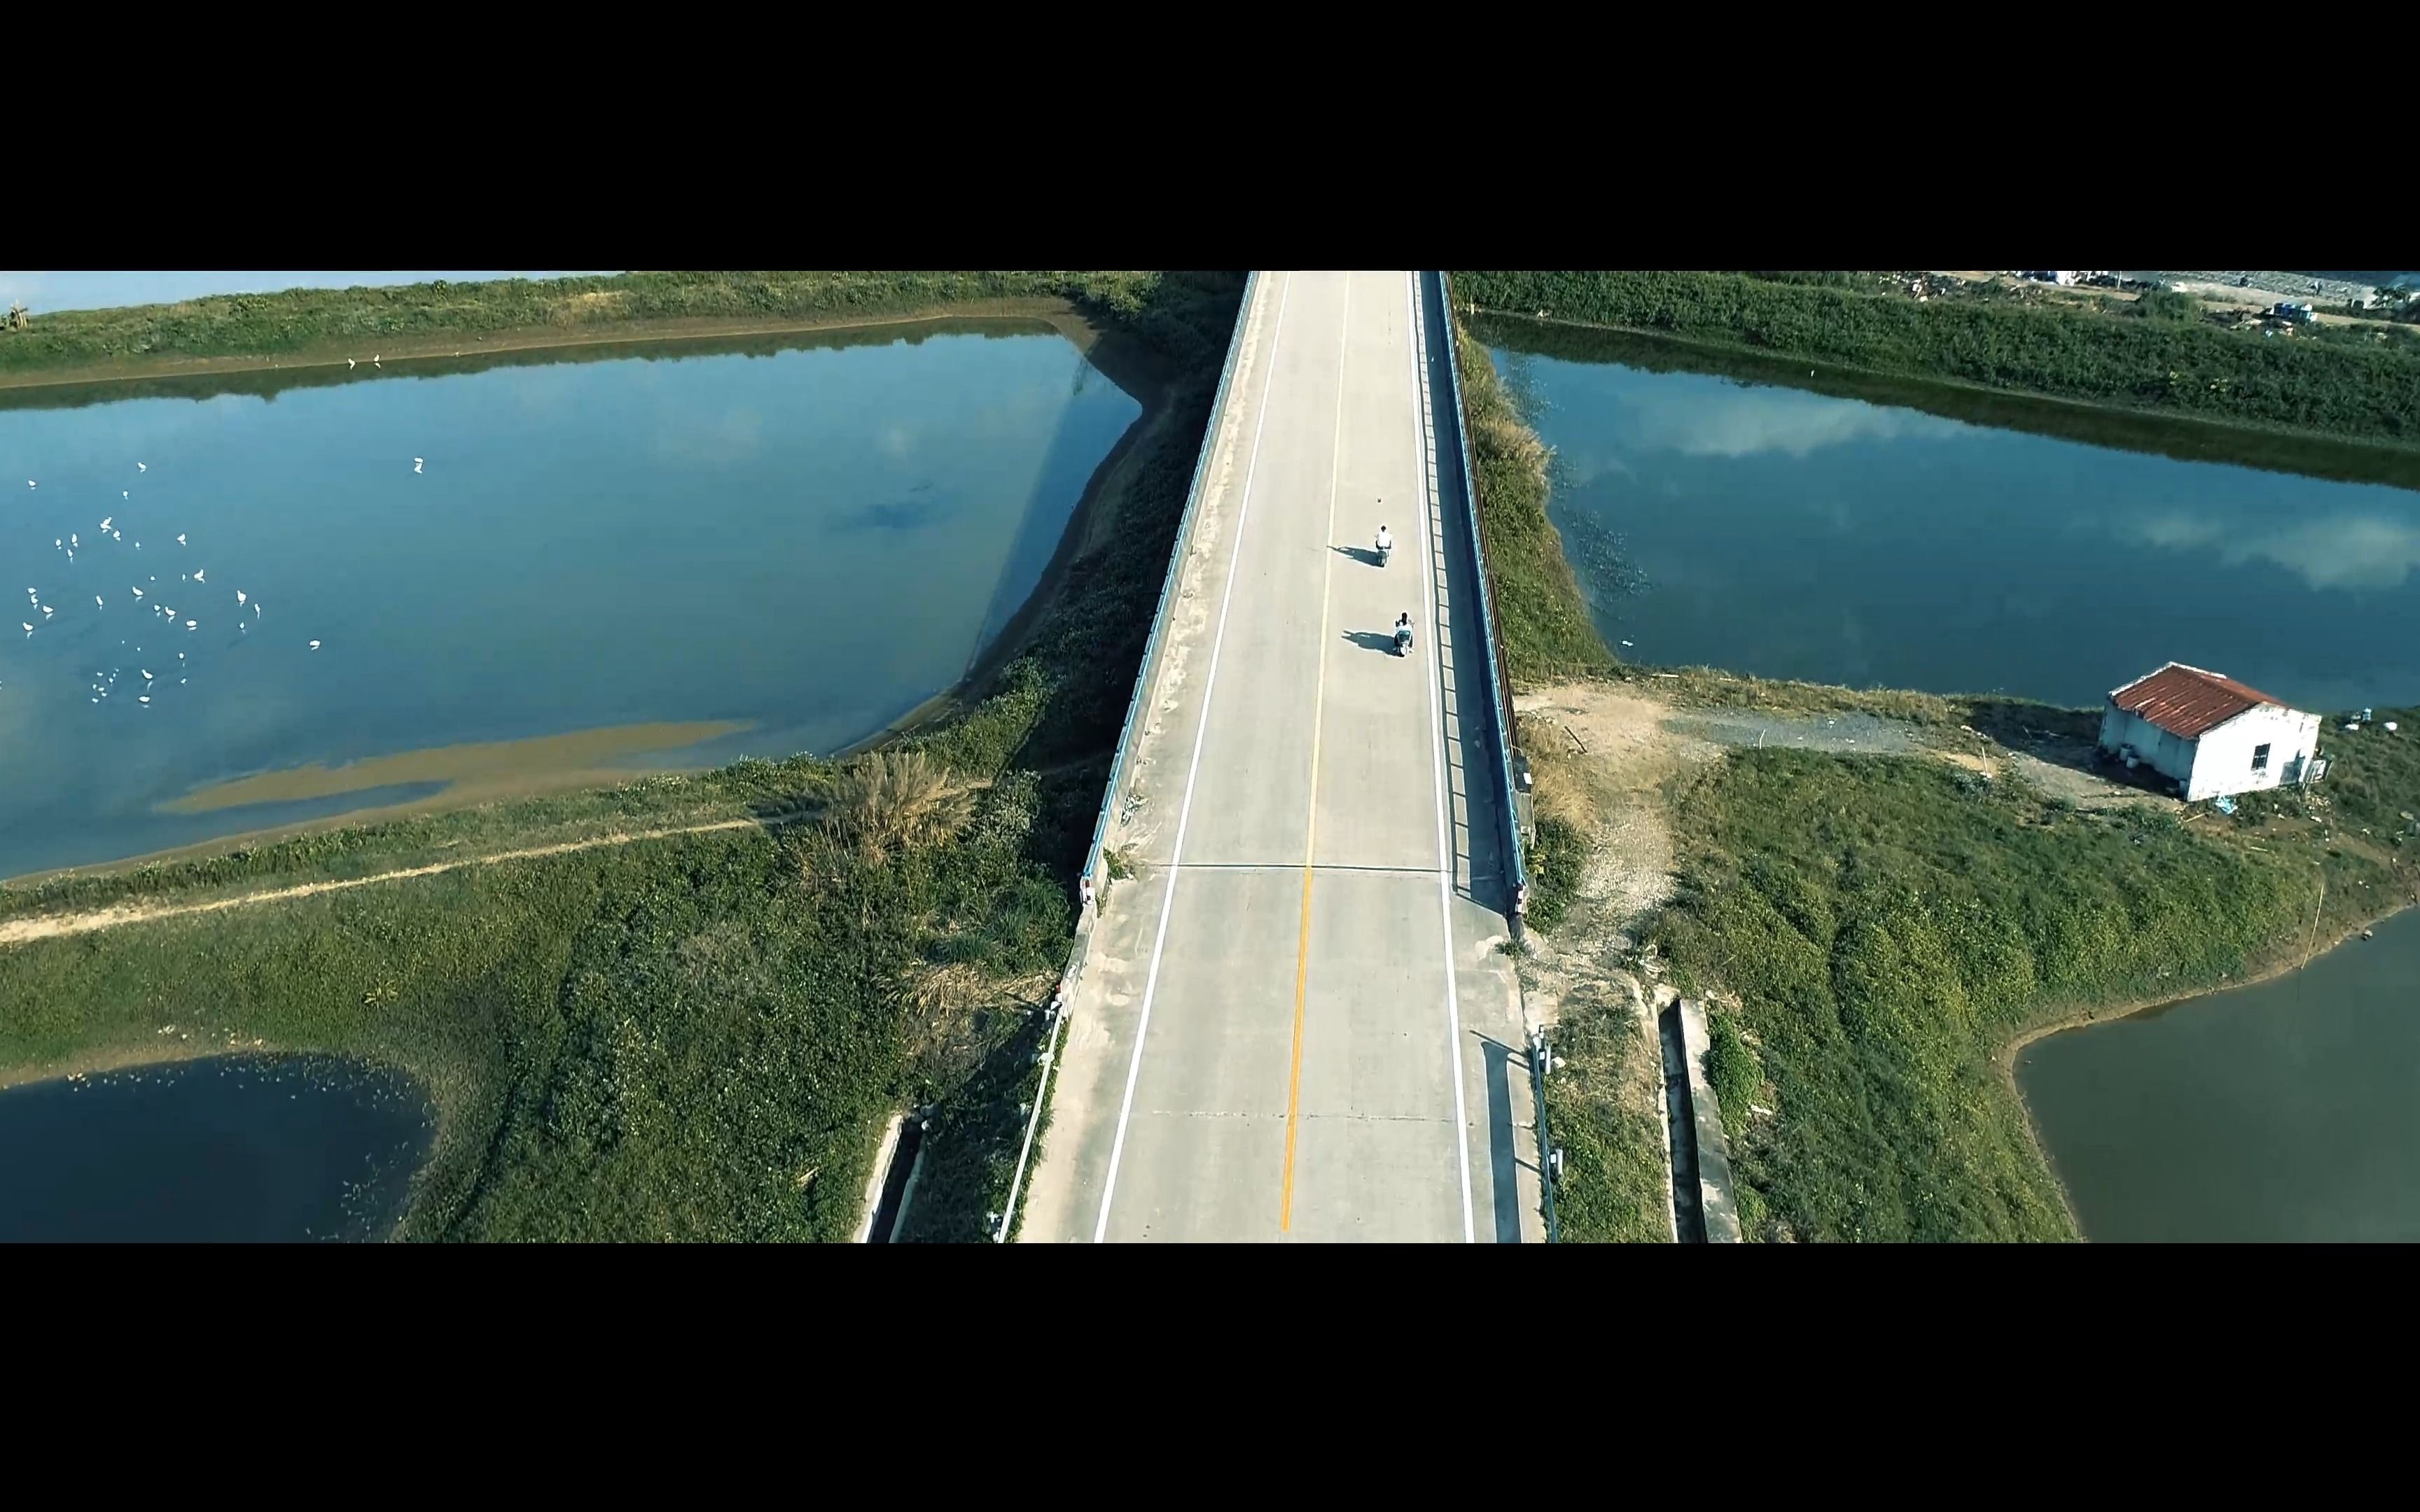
[[2289, 1110], [261, 1150], [1788, 534], [800, 541]]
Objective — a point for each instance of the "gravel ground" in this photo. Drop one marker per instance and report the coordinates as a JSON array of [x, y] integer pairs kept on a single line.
[[1844, 733], [2284, 285]]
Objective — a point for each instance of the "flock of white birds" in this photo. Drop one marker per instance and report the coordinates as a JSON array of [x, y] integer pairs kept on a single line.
[[146, 595]]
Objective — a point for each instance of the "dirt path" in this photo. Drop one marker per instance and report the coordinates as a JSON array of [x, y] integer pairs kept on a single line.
[[52, 926]]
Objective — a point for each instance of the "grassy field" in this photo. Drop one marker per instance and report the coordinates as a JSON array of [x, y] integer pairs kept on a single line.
[[2365, 391], [698, 1037], [1887, 926]]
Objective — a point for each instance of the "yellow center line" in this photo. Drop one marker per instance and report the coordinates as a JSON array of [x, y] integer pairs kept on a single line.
[[1311, 824]]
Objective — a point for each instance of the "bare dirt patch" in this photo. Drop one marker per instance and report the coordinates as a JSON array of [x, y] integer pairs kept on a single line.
[[1604, 761]]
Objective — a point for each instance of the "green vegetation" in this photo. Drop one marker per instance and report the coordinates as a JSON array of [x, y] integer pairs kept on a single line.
[[1601, 1111], [1731, 1071], [2164, 304], [1165, 312], [1558, 858], [696, 1037], [1887, 925], [2359, 390]]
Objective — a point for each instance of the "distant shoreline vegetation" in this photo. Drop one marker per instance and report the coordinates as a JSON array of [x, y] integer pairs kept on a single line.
[[2355, 392], [329, 325]]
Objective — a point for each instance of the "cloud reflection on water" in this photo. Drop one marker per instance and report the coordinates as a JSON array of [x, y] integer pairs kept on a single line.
[[1730, 422], [2345, 552]]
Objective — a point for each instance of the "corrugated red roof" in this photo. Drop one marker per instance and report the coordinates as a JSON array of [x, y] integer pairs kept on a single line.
[[2186, 700]]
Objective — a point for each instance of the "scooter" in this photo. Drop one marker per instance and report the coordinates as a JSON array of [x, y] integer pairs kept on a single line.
[[1385, 550], [1403, 642]]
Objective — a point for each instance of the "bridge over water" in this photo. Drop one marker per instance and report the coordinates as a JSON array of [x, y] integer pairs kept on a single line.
[[1291, 1020]]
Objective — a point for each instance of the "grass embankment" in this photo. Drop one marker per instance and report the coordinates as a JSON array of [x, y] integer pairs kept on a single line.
[[1613, 1174], [1874, 933], [699, 1037], [239, 332], [2365, 393]]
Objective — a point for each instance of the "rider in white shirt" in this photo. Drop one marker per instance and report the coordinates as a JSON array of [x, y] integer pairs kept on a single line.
[[1386, 542]]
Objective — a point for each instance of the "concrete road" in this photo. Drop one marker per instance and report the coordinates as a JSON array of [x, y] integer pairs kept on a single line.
[[1295, 1024]]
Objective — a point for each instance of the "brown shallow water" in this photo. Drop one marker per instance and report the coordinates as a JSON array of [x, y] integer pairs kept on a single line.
[[2288, 1110], [542, 761]]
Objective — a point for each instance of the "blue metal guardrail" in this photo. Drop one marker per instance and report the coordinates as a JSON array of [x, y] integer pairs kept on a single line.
[[1502, 711], [1149, 671]]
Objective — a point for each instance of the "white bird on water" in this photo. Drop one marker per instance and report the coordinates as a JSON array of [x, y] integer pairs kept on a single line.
[[97, 603], [146, 677], [29, 630], [143, 698], [29, 483], [180, 538], [197, 574], [123, 494], [190, 624], [105, 519], [315, 645], [73, 539], [46, 609], [238, 598], [140, 468], [138, 593], [415, 464], [351, 365]]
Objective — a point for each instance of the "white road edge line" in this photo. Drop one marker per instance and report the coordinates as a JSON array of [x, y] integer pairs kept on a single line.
[[1422, 432], [1185, 813]]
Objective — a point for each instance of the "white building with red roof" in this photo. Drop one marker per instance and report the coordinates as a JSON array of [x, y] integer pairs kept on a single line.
[[2209, 734]]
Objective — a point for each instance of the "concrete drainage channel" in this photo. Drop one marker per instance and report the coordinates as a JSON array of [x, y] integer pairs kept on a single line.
[[1702, 1208], [1680, 1124], [896, 1164]]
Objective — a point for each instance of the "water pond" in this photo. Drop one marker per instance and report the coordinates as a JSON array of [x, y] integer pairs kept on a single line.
[[259, 600], [2284, 1110], [259, 1149], [1845, 534]]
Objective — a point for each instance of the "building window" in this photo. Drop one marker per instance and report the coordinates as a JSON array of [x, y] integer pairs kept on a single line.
[[2261, 758]]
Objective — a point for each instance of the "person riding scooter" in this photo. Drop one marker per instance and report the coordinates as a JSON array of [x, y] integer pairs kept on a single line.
[[1403, 634], [1386, 546]]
